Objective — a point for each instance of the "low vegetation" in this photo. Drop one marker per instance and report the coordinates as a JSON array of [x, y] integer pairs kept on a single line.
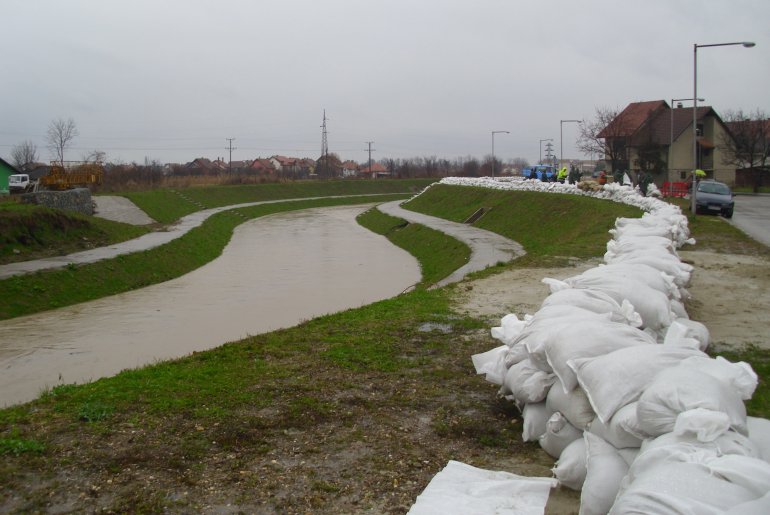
[[439, 255], [351, 412], [33, 232]]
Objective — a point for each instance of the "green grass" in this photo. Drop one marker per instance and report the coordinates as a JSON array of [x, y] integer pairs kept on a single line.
[[32, 293], [32, 232], [438, 254], [166, 205], [549, 226]]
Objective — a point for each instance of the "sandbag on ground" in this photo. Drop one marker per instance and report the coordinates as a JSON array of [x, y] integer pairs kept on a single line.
[[619, 378]]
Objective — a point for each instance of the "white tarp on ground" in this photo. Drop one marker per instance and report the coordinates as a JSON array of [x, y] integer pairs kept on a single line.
[[460, 489]]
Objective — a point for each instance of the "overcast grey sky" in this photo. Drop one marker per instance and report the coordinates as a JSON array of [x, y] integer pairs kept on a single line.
[[172, 79]]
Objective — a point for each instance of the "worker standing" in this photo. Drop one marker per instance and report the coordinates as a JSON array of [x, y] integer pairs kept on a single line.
[[562, 175]]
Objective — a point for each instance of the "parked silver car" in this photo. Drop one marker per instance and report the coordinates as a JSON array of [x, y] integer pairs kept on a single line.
[[714, 197]]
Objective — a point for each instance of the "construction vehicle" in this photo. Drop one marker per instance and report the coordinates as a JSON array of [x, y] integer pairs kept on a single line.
[[71, 174], [20, 183]]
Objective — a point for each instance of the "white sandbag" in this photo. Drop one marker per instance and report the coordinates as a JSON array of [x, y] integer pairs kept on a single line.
[[510, 327], [751, 473], [652, 277], [535, 417], [526, 383], [614, 431], [558, 435], [704, 425], [677, 336], [653, 306], [759, 434], [619, 378], [595, 301], [605, 471], [460, 489], [679, 487], [549, 323], [696, 330], [679, 389], [587, 339], [573, 405], [740, 376], [570, 468], [667, 263], [492, 364], [629, 422], [516, 354]]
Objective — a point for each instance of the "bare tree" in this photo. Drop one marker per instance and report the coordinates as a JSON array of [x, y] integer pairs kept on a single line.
[[748, 144], [95, 156], [605, 135], [60, 134], [23, 153]]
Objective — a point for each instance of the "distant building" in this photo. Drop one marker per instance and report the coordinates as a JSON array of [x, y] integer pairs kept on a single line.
[[6, 170], [653, 137]]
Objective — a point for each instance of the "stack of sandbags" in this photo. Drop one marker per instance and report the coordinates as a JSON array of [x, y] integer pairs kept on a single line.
[[612, 381]]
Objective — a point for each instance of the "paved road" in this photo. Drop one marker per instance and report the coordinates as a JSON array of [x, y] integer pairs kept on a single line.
[[487, 248], [752, 216]]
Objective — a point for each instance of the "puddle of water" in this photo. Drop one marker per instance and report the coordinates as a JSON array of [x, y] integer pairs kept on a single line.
[[276, 272]]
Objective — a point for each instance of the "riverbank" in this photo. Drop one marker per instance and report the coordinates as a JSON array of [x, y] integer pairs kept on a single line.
[[348, 413]]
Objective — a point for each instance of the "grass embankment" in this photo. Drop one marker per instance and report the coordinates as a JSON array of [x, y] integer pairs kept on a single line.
[[439, 255], [347, 413], [551, 227], [167, 205], [32, 293], [34, 232]]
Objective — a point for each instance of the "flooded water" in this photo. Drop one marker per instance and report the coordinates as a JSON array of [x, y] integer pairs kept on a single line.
[[276, 272]]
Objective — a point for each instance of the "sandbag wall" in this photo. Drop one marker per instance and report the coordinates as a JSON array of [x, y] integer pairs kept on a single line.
[[613, 381]]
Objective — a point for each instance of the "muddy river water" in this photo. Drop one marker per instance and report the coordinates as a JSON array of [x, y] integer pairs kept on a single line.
[[276, 272]]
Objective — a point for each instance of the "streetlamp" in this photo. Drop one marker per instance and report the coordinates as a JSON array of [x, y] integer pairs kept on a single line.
[[493, 149], [695, 47], [561, 137], [541, 149]]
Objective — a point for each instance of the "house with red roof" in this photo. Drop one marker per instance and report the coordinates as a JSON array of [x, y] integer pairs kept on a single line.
[[656, 138]]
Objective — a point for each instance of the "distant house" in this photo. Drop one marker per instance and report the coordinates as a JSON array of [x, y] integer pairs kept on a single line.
[[6, 170], [349, 169], [375, 170], [202, 165], [262, 166], [653, 137]]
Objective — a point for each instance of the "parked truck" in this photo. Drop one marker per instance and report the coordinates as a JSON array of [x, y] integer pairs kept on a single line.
[[59, 177]]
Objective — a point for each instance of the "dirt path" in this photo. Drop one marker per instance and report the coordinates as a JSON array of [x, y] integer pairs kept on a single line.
[[730, 294]]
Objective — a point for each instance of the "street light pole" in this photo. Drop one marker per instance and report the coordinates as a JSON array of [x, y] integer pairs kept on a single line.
[[695, 47], [561, 137], [541, 149], [493, 149]]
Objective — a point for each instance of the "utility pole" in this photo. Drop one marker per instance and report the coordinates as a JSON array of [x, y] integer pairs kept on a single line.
[[324, 148], [230, 147], [370, 143]]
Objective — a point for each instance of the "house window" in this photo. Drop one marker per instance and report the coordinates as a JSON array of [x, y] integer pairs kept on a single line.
[[683, 175]]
